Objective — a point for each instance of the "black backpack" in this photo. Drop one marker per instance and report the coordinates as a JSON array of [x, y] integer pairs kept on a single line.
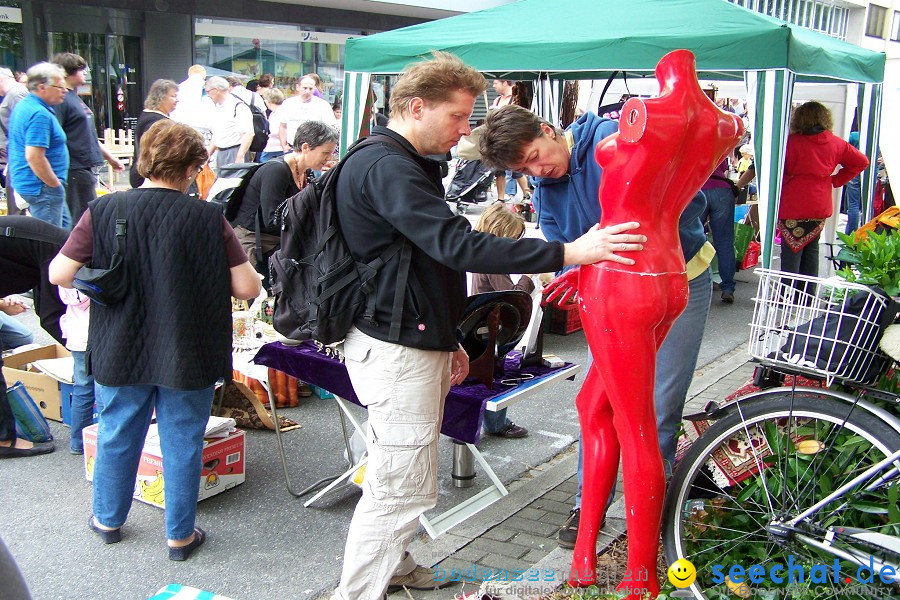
[[260, 126], [319, 288], [230, 185]]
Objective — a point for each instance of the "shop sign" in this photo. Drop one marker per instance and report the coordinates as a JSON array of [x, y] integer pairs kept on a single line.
[[10, 15]]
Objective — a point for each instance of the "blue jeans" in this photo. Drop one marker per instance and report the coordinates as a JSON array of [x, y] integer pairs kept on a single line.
[[675, 365], [494, 421], [267, 156], [854, 203], [720, 210], [804, 262], [124, 419], [13, 333], [49, 205], [82, 411]]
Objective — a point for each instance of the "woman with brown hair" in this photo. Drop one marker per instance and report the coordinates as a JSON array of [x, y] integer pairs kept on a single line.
[[813, 153], [168, 341]]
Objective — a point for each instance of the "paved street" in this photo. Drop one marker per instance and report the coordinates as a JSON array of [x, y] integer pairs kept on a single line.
[[262, 543]]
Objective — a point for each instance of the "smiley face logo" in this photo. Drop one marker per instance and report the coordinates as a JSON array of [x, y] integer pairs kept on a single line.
[[682, 573]]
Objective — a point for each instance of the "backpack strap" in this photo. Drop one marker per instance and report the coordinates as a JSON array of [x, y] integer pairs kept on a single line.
[[399, 295], [241, 101], [121, 225], [401, 243]]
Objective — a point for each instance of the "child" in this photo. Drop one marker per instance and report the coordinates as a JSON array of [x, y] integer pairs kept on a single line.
[[74, 325], [500, 221]]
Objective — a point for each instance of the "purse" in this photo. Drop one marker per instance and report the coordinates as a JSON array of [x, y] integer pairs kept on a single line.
[[107, 286], [205, 180]]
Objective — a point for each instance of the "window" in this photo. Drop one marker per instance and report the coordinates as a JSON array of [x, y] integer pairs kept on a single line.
[[895, 27], [875, 23], [248, 50]]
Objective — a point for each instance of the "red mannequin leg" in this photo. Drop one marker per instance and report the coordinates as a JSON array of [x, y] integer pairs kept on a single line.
[[624, 331], [601, 462]]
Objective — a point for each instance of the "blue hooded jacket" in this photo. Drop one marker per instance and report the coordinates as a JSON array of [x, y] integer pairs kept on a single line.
[[568, 206]]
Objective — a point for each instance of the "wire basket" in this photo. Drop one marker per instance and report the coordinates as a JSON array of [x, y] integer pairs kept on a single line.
[[826, 328]]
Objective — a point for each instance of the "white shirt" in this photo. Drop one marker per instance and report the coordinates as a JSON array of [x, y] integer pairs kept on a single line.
[[274, 143], [14, 95], [191, 110], [294, 112], [229, 122]]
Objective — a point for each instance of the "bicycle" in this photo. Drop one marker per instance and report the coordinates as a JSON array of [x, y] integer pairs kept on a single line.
[[793, 475]]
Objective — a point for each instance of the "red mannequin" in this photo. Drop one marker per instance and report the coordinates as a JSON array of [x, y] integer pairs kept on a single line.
[[665, 149]]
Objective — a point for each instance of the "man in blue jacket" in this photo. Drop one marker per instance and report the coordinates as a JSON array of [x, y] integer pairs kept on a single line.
[[567, 203]]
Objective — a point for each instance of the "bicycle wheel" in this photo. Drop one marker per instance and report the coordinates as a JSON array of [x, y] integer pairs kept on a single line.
[[765, 463]]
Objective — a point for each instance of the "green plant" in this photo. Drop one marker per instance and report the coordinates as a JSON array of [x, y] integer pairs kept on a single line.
[[873, 260]]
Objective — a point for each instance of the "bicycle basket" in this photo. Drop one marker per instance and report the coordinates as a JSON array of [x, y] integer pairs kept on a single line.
[[823, 327]]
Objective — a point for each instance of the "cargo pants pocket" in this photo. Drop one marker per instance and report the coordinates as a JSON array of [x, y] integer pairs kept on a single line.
[[404, 457]]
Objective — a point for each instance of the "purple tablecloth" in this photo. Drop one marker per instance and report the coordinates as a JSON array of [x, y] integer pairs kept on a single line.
[[463, 410]]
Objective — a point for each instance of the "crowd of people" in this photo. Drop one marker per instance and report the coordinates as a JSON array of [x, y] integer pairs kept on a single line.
[[123, 352]]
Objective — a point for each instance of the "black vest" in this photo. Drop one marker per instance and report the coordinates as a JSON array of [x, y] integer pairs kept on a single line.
[[173, 328]]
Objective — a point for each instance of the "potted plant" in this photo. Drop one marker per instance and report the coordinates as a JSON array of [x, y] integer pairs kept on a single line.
[[871, 260]]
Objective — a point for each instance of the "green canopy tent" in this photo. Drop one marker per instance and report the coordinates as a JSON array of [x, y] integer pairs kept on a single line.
[[556, 40]]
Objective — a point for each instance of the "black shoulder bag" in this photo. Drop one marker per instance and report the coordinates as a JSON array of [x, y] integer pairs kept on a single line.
[[107, 286]]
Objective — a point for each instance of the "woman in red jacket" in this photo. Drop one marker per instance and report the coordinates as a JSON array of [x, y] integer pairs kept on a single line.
[[813, 153]]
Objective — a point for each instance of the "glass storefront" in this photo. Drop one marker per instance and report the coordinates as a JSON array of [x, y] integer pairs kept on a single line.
[[12, 53], [113, 89], [285, 51]]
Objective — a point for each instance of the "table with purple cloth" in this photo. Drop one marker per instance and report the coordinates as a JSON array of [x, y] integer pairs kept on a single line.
[[465, 404], [463, 413]]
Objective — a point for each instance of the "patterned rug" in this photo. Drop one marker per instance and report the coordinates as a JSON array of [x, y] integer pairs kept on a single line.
[[736, 461]]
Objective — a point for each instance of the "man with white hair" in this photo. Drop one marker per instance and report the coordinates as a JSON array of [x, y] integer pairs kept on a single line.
[[301, 108], [231, 123], [13, 92], [38, 157]]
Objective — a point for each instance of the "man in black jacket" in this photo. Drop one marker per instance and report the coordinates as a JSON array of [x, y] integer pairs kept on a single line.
[[384, 192]]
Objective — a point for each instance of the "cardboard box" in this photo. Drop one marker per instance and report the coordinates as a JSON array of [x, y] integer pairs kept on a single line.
[[223, 466], [45, 390]]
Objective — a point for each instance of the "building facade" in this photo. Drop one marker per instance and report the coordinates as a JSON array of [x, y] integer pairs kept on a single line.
[[130, 43]]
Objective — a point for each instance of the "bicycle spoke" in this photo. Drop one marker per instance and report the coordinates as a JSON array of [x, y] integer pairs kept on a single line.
[[759, 463], [830, 440], [730, 542]]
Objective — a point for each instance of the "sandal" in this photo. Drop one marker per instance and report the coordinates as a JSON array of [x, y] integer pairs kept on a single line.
[[184, 552], [109, 536]]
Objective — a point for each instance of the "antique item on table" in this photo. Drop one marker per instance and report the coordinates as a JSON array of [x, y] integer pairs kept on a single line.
[[665, 149], [492, 324]]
